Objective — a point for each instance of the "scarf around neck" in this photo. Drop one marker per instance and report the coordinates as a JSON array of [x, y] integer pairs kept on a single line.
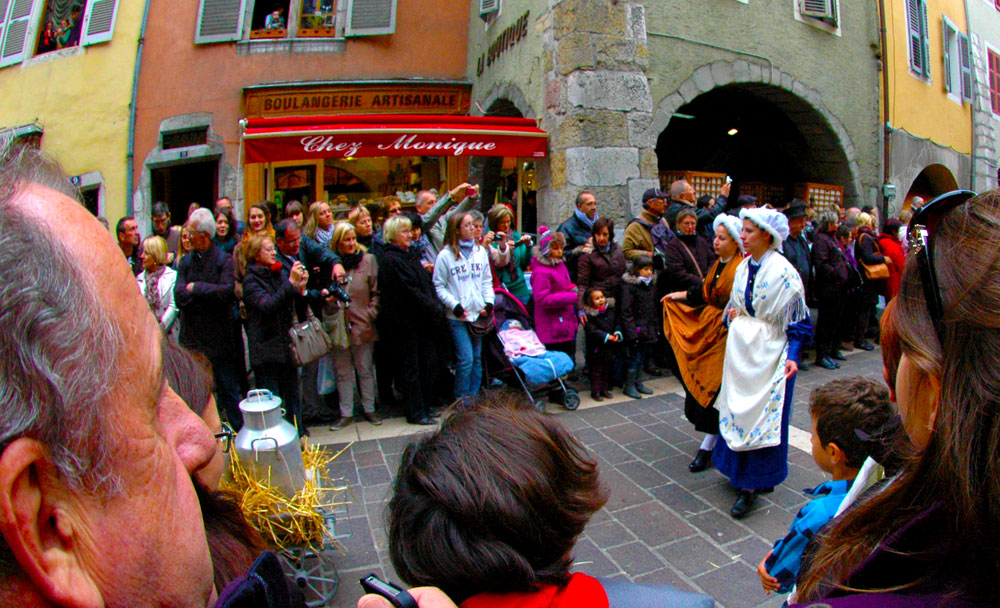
[[465, 247], [351, 261], [580, 215]]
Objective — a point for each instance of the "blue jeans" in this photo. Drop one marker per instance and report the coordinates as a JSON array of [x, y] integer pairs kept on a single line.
[[469, 366]]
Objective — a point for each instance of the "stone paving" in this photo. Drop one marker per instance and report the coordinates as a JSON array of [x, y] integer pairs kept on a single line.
[[662, 524]]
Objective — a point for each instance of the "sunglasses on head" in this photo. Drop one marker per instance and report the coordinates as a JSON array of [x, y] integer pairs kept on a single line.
[[920, 239]]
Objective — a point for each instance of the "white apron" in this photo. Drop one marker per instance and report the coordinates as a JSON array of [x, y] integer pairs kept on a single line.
[[752, 394]]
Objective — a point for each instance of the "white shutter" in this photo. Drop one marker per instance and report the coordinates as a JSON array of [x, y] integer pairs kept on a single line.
[[16, 32], [818, 9], [219, 21], [370, 17], [99, 21], [4, 5], [948, 34], [965, 59], [488, 6]]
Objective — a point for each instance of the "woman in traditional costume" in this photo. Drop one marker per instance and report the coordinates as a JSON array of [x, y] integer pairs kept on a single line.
[[768, 326], [693, 324]]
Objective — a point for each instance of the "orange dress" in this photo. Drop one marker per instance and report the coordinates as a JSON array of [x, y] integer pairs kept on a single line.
[[697, 334]]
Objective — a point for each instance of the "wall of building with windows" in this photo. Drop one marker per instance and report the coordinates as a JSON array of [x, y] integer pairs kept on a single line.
[[984, 21], [202, 57], [928, 56], [66, 70]]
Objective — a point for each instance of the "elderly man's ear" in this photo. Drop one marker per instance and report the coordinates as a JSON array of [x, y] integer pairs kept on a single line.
[[40, 523]]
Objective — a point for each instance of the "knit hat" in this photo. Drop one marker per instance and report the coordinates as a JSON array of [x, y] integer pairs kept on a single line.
[[774, 222], [545, 237], [733, 225]]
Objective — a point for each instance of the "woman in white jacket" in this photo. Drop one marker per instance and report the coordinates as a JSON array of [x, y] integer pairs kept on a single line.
[[156, 282], [463, 282]]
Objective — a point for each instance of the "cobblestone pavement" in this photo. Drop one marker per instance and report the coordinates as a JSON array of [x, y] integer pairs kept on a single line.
[[662, 524]]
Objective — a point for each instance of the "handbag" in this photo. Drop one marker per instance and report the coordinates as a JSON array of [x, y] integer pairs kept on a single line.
[[335, 325], [481, 326], [309, 341], [875, 272]]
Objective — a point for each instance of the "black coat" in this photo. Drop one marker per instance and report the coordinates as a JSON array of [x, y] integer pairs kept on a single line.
[[600, 325], [269, 298], [796, 251], [830, 265], [680, 272], [207, 311], [408, 300], [641, 315]]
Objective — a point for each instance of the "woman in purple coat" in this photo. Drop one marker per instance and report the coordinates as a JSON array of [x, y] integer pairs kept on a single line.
[[554, 295]]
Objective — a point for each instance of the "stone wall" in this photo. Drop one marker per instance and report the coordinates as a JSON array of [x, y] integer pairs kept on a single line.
[[596, 103], [984, 21]]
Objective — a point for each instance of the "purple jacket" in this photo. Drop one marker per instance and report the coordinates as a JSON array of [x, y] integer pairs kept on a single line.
[[555, 301]]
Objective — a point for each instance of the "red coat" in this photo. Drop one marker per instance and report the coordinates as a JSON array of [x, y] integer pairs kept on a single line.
[[892, 249]]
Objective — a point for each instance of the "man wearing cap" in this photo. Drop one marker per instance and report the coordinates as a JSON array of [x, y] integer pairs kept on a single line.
[[577, 228], [796, 248], [648, 233], [683, 195]]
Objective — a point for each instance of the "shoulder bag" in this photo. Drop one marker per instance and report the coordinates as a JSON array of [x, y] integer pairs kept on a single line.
[[875, 272], [309, 341]]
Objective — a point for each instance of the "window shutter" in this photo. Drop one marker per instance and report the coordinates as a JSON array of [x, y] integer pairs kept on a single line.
[[965, 57], [219, 21], [16, 32], [370, 17], [818, 9], [5, 4], [916, 43], [925, 36], [948, 34], [99, 22], [491, 6]]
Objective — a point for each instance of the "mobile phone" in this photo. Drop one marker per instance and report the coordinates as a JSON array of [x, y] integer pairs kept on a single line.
[[400, 598], [729, 180], [470, 191]]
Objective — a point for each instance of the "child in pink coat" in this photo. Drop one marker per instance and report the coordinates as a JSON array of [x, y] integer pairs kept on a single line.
[[554, 295]]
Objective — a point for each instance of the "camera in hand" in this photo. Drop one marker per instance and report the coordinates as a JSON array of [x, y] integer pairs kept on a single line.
[[337, 290], [498, 236]]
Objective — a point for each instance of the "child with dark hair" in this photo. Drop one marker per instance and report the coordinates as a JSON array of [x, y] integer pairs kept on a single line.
[[641, 322], [845, 412], [602, 339]]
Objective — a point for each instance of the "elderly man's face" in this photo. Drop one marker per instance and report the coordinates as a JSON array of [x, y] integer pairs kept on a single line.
[[690, 194], [130, 234], [146, 545], [425, 202], [588, 205]]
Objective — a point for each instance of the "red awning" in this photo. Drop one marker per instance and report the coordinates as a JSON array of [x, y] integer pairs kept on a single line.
[[306, 137]]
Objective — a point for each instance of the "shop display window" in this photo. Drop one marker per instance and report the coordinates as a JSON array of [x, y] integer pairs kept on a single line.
[[62, 22]]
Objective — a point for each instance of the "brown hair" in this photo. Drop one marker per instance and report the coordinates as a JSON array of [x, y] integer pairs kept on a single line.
[[600, 224], [889, 342], [452, 234], [492, 502], [958, 471], [189, 374], [847, 404], [252, 246]]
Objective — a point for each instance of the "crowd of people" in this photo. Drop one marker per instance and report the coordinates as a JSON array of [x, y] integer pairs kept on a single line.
[[105, 425]]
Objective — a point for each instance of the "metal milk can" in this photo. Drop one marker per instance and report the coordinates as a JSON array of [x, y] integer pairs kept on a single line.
[[267, 445]]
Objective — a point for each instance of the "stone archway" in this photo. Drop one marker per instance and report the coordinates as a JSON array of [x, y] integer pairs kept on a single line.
[[509, 93], [829, 141]]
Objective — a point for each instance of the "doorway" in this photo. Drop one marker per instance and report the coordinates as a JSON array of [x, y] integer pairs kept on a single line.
[[180, 185]]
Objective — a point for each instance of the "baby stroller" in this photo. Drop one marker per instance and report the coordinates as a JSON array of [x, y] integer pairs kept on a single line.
[[538, 372]]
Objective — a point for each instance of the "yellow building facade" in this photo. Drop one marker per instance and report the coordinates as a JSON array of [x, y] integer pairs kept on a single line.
[[928, 106], [67, 73]]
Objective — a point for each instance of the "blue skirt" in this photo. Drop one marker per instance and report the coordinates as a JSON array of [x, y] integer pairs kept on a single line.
[[758, 469]]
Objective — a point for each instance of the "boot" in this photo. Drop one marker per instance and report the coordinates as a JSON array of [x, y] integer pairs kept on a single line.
[[639, 386], [630, 386]]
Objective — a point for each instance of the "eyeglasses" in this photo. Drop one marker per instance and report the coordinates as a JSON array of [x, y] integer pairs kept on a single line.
[[225, 437], [919, 237]]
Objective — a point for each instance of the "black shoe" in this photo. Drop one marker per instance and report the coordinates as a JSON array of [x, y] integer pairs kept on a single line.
[[826, 363], [374, 418], [864, 345], [743, 505], [654, 371], [342, 423], [765, 490], [425, 421], [839, 356], [639, 386], [701, 462]]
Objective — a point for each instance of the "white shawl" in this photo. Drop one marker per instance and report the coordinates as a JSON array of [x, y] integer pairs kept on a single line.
[[753, 375]]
